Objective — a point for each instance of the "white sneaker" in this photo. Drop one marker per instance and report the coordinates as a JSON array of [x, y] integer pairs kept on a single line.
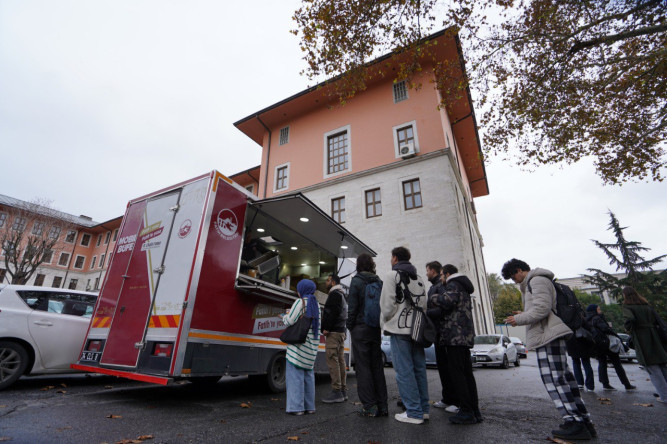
[[452, 409], [426, 416], [440, 405], [403, 417]]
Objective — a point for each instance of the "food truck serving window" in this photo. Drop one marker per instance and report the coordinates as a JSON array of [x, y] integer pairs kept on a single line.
[[290, 238]]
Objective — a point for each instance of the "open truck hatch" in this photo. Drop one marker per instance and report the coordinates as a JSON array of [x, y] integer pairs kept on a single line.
[[288, 239]]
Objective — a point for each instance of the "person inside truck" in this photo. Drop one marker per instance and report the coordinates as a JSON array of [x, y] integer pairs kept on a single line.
[[256, 260]]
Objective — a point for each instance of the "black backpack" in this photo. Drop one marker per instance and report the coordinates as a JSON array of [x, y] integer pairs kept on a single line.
[[568, 308], [372, 294]]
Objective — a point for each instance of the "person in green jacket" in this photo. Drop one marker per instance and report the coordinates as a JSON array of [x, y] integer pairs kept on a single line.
[[640, 322]]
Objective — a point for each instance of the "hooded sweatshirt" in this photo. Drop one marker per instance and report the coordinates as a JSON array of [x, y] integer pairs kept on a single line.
[[395, 316], [355, 299], [456, 324], [539, 310]]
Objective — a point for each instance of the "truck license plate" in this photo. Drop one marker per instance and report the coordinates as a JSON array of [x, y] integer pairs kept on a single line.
[[90, 356]]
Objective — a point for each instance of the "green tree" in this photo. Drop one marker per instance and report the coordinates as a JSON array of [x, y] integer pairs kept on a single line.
[[585, 299], [495, 285], [626, 256], [509, 300], [561, 80]]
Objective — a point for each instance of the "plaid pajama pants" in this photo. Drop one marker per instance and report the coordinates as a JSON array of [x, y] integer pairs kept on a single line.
[[559, 381]]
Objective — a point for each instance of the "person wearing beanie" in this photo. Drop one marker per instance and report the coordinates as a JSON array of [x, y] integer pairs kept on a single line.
[[300, 377], [601, 331]]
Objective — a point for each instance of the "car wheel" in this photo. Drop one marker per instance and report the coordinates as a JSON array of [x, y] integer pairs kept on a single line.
[[13, 363], [517, 362], [506, 362]]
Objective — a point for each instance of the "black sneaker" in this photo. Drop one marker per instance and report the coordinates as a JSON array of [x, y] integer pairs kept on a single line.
[[463, 418], [382, 412], [631, 387], [368, 412], [607, 387], [478, 416], [334, 396], [572, 430], [344, 394], [591, 428]]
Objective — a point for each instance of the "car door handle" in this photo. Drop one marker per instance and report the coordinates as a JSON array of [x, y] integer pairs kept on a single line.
[[44, 323]]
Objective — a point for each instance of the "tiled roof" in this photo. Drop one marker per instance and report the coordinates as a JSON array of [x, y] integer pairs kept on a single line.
[[17, 203]]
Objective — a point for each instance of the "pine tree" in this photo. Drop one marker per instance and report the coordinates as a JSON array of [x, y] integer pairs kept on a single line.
[[627, 257]]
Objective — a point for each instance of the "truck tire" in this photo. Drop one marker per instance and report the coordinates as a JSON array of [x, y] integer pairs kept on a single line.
[[276, 372], [13, 363]]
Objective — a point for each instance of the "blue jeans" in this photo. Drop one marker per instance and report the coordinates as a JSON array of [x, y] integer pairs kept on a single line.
[[410, 368], [300, 389], [576, 366]]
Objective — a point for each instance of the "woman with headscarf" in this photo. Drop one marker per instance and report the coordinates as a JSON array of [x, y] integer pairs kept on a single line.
[[640, 322], [300, 377]]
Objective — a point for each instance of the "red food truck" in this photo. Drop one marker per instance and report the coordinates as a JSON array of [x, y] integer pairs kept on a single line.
[[198, 277]]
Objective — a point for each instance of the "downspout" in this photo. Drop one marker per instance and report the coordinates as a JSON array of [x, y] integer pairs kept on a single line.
[[71, 259], [268, 153]]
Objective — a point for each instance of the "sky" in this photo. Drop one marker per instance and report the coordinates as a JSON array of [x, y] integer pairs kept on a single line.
[[105, 101]]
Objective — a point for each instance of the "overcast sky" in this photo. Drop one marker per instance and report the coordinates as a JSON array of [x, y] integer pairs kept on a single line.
[[102, 102]]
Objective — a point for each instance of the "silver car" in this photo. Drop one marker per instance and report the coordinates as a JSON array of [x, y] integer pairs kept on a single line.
[[630, 354], [386, 353], [496, 350], [41, 330], [520, 347]]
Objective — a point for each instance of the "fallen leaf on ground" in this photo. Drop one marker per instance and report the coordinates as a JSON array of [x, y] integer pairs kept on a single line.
[[2, 406], [48, 387], [604, 399], [643, 405], [63, 385], [605, 402], [5, 438], [246, 405], [61, 391], [114, 416], [108, 387], [559, 441], [356, 403], [223, 421], [145, 437], [304, 433], [293, 438]]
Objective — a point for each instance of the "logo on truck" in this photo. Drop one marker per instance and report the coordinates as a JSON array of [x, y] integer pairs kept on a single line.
[[185, 228], [227, 224]]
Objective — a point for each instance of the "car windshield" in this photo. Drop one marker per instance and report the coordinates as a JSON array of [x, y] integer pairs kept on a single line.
[[516, 340], [486, 340]]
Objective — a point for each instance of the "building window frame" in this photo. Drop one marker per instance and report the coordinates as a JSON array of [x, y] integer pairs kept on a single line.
[[3, 219], [250, 188], [38, 228], [70, 237], [400, 91], [92, 262], [54, 232], [66, 256], [19, 224], [413, 196], [57, 282], [376, 205], [278, 180], [99, 240], [47, 258], [347, 129], [283, 138], [76, 262], [415, 138], [85, 240], [338, 209], [107, 238], [115, 235], [39, 280], [101, 261]]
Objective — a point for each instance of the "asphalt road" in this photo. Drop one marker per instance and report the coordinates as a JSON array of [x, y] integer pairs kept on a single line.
[[101, 409]]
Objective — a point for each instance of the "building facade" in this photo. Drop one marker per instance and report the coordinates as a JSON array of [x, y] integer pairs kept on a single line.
[[390, 165], [81, 250]]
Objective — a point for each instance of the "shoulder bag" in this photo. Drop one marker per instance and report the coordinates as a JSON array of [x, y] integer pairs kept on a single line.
[[297, 332], [422, 331]]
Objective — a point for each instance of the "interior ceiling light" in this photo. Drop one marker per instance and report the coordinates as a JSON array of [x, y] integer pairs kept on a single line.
[[304, 265], [304, 219], [261, 230], [293, 248], [321, 262], [344, 247]]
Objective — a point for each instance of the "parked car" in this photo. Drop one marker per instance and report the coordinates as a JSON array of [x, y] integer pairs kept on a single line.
[[520, 347], [495, 350], [630, 354], [386, 353], [41, 330]]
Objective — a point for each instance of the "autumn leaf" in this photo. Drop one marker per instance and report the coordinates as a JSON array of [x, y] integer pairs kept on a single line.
[[604, 399], [145, 437], [293, 438], [61, 391], [246, 405], [64, 428], [48, 387], [63, 385], [108, 387], [223, 421], [114, 416], [5, 438], [559, 441], [2, 406], [643, 405]]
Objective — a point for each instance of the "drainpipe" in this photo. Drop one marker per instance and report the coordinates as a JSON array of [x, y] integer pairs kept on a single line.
[[268, 152], [71, 259]]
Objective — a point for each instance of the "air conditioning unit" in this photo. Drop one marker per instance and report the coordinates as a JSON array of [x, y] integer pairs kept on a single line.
[[407, 150]]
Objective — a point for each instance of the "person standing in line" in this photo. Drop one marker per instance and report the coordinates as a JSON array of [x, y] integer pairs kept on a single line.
[[334, 316], [457, 335], [300, 359], [366, 342], [546, 333], [640, 322], [601, 330], [581, 352], [396, 320], [448, 398]]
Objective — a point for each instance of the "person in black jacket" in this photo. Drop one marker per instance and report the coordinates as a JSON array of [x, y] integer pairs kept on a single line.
[[457, 334], [448, 399], [366, 343], [334, 316], [601, 329]]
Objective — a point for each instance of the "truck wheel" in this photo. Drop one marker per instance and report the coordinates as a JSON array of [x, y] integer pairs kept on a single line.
[[13, 363], [275, 373]]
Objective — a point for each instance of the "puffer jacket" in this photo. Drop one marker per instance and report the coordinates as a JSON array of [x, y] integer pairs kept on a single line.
[[539, 310], [456, 324], [396, 316], [355, 299]]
